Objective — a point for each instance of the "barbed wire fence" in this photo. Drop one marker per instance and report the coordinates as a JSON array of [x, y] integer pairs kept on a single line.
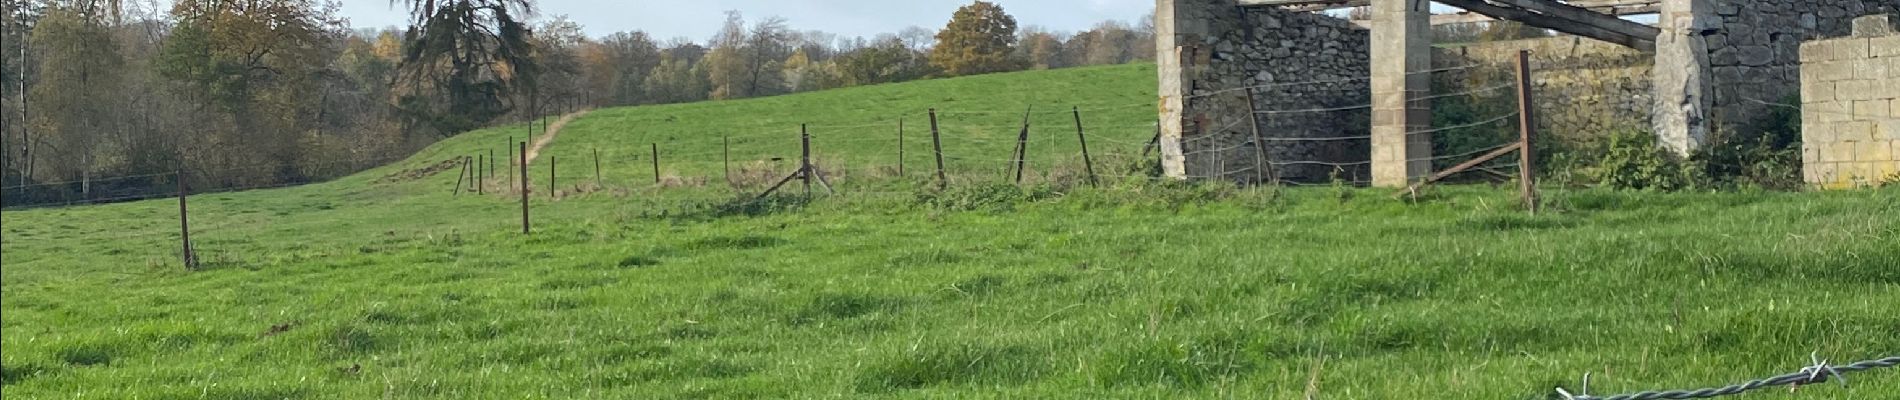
[[121, 188], [1044, 144], [1060, 145], [1819, 371]]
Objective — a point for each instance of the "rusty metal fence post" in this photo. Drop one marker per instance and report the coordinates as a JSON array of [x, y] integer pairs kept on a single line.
[[1527, 134]]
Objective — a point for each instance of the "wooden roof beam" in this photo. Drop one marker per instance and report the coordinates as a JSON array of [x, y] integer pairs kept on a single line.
[[1557, 9], [1565, 18], [1612, 7], [1471, 17]]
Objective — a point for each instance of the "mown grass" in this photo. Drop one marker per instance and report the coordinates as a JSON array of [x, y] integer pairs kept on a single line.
[[366, 288], [855, 131]]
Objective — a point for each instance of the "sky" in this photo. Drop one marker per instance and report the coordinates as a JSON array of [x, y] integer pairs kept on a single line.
[[699, 19]]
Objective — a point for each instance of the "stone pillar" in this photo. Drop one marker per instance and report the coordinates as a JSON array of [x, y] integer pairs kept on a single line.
[[1684, 92], [1179, 32], [1401, 61]]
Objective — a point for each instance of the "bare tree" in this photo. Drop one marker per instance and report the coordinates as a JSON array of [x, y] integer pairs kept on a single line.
[[767, 46], [917, 38]]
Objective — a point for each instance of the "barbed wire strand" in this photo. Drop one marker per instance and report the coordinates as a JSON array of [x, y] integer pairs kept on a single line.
[[1818, 372], [1326, 81]]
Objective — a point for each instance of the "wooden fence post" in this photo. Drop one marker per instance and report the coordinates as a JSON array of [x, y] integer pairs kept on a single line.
[[552, 187], [1022, 145], [804, 163], [480, 186], [461, 176], [725, 155], [1262, 165], [184, 222], [597, 181], [524, 187], [511, 161], [491, 164], [1527, 133], [1087, 163], [937, 145], [656, 163], [900, 147]]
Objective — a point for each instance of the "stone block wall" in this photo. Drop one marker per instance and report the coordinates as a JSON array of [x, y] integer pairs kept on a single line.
[[1584, 89], [1309, 74], [1754, 51], [1850, 108]]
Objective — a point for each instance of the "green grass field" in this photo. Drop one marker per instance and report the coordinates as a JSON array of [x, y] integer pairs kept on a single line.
[[370, 287]]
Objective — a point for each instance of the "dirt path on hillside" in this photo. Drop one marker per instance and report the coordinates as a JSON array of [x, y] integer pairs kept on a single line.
[[554, 130]]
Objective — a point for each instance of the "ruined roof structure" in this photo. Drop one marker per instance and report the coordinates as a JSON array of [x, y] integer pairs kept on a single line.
[[1256, 90]]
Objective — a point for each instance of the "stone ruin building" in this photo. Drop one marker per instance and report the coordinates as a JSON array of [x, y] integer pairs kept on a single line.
[[1333, 98]]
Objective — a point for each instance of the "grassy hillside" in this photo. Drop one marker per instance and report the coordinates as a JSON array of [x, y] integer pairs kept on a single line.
[[385, 285], [855, 131]]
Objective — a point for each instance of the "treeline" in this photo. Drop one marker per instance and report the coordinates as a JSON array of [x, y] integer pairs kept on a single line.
[[766, 57], [108, 99], [105, 99]]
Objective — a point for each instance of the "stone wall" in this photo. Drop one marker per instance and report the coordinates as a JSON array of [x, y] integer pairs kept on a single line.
[[1298, 64], [1850, 107], [1583, 89], [1754, 52]]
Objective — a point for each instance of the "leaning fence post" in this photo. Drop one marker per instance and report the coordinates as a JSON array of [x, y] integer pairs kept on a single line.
[[461, 176], [1262, 165], [184, 222], [1527, 133], [524, 187], [1087, 163], [656, 163], [597, 181], [811, 170], [1022, 145], [936, 143]]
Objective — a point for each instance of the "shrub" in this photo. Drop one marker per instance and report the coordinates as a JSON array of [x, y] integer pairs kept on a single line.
[[1765, 153], [1633, 160]]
